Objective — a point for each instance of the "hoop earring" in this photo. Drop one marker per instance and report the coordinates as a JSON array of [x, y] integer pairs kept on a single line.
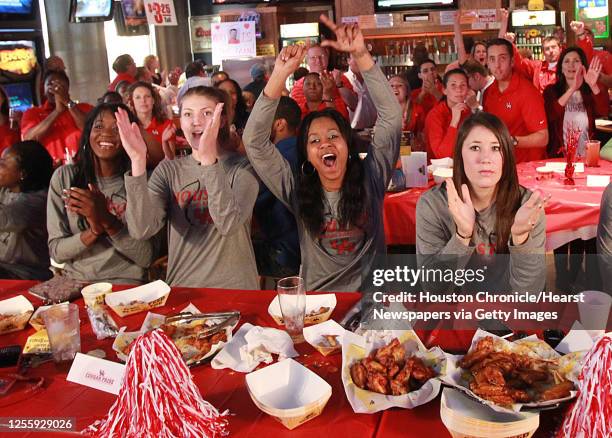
[[311, 166]]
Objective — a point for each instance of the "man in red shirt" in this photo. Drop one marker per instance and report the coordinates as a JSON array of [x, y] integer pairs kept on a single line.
[[125, 67], [317, 59], [58, 123], [544, 73], [431, 91], [516, 102]]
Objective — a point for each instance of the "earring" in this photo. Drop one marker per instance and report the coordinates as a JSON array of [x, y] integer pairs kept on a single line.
[[312, 172]]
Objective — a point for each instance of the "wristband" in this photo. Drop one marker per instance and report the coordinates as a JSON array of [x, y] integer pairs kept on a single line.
[[464, 237], [94, 233]]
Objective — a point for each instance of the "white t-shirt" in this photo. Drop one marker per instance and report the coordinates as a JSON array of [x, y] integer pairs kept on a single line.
[[576, 117]]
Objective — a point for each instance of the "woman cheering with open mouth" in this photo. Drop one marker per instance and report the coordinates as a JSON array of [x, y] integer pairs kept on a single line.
[[336, 197]]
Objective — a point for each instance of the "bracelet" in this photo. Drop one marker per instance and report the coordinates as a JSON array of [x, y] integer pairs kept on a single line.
[[94, 233], [464, 237], [328, 100]]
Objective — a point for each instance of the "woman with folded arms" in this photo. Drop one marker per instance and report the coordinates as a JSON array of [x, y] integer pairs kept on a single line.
[[483, 210], [336, 197], [86, 208], [25, 171], [206, 199]]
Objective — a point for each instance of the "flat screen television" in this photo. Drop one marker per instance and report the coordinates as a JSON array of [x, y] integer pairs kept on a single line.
[[410, 5], [20, 95], [89, 11], [16, 9]]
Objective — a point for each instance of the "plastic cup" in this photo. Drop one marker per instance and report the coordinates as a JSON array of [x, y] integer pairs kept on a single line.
[[62, 324], [595, 311], [592, 153], [292, 299], [93, 295]]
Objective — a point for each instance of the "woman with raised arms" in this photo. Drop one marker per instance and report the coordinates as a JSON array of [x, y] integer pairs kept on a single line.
[[336, 197], [205, 198]]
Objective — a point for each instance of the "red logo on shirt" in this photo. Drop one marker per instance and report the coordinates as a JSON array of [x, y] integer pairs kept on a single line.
[[337, 241], [193, 200], [116, 204]]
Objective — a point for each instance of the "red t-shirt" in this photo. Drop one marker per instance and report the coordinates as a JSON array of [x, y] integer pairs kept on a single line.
[[416, 123], [63, 134], [521, 108], [429, 100], [121, 77], [297, 92], [338, 106], [156, 129], [440, 136], [8, 137]]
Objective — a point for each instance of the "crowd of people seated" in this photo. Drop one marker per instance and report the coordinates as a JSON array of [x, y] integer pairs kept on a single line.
[[273, 183]]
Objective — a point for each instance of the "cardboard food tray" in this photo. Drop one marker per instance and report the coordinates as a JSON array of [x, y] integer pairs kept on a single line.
[[567, 366], [138, 299], [14, 314], [313, 304], [356, 347], [314, 336]]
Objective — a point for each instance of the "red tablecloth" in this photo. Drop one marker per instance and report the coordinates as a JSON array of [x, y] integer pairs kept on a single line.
[[570, 208], [225, 388]]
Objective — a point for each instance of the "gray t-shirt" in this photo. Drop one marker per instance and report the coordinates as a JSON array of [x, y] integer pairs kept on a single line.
[[117, 259], [23, 234], [436, 236], [336, 259], [208, 210]]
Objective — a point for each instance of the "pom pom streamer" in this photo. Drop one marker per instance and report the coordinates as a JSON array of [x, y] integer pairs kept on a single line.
[[159, 398], [591, 415]]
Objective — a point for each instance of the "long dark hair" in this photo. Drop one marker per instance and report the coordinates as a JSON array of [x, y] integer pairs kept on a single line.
[[85, 160], [4, 109], [35, 164], [158, 110], [309, 188], [240, 116], [561, 85], [508, 196]]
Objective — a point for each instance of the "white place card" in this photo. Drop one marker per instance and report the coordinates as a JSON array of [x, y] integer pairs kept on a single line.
[[96, 373], [598, 180]]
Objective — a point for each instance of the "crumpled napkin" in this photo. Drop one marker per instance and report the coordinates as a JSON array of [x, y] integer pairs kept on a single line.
[[252, 345]]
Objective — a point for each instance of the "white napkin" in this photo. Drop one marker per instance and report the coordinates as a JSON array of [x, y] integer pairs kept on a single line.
[[252, 345]]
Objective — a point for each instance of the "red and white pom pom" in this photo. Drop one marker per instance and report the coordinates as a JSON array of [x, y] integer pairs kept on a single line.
[[159, 398], [591, 415]]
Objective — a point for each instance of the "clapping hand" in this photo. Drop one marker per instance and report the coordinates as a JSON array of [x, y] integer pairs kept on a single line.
[[527, 216], [577, 27], [348, 37], [329, 84], [132, 141], [462, 211], [168, 144], [592, 75], [206, 152], [91, 204]]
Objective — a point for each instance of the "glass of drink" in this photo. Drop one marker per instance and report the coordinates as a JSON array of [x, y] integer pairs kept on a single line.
[[592, 153], [292, 299], [62, 324]]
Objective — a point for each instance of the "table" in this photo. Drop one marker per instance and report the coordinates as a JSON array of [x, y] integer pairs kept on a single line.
[[572, 212], [226, 389]]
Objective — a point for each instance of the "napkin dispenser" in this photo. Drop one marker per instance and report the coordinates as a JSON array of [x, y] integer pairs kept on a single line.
[[414, 167]]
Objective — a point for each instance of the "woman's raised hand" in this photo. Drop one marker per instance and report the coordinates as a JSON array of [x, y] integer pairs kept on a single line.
[[462, 211], [527, 217], [348, 37], [206, 152], [289, 59], [592, 75], [132, 141], [168, 144]]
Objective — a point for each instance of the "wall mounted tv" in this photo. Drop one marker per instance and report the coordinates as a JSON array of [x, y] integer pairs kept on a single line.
[[89, 11], [406, 5], [16, 9]]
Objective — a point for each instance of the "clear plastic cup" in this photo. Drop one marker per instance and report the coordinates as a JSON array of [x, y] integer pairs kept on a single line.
[[62, 324], [592, 153], [292, 299], [595, 311]]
